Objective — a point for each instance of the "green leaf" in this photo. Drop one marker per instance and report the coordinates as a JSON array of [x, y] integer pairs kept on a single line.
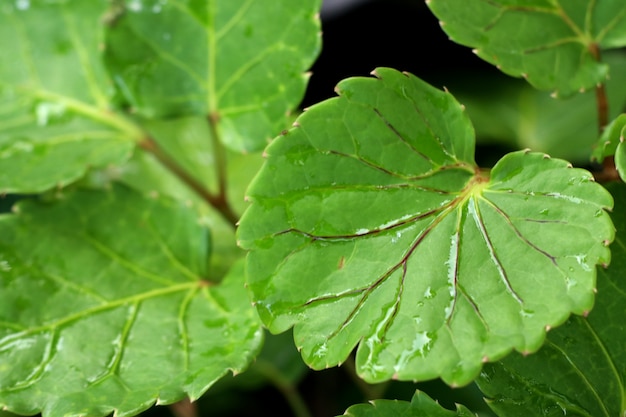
[[611, 143], [554, 45], [187, 141], [55, 98], [582, 366], [104, 306], [610, 139], [371, 225], [421, 405], [239, 62], [507, 110]]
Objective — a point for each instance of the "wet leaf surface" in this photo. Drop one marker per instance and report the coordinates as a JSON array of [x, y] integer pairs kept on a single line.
[[580, 370], [370, 225], [222, 59], [555, 45], [55, 98], [104, 306]]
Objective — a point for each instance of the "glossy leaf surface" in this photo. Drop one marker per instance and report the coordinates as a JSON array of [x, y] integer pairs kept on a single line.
[[611, 143], [421, 405], [239, 62], [370, 225], [104, 306], [55, 98], [581, 368], [553, 44]]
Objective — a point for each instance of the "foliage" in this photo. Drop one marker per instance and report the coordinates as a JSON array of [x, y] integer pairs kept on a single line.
[[130, 130]]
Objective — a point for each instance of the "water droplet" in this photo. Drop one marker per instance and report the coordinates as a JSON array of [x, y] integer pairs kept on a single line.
[[135, 6], [5, 266], [22, 4], [46, 112], [429, 293]]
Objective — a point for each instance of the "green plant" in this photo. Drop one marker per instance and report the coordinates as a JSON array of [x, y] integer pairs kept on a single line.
[[131, 129]]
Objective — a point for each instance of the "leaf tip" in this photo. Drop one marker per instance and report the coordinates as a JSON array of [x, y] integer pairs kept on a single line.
[[548, 328], [485, 359], [606, 242]]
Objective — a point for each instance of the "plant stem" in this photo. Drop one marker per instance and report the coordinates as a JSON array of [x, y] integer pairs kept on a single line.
[[184, 408], [217, 201], [293, 397], [219, 153], [609, 171]]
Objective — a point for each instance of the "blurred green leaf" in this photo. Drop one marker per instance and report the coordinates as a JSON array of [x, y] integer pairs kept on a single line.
[[105, 306], [370, 225], [610, 139], [56, 118], [611, 143], [554, 45], [187, 140], [421, 405], [240, 63], [580, 370], [509, 111]]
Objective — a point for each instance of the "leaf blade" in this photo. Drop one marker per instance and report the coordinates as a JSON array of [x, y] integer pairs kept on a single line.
[[54, 97], [554, 46], [414, 256], [580, 370], [222, 60], [101, 319]]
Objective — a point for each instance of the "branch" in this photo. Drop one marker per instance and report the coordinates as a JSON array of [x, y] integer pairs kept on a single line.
[[609, 172], [217, 201], [282, 384]]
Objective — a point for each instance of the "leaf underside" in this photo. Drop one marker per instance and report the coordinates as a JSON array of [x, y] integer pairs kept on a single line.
[[553, 44], [94, 319], [370, 225], [581, 368]]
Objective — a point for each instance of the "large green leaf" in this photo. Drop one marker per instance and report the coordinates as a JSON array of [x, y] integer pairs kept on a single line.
[[239, 62], [104, 306], [371, 225], [421, 405], [55, 98], [581, 368], [553, 44]]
